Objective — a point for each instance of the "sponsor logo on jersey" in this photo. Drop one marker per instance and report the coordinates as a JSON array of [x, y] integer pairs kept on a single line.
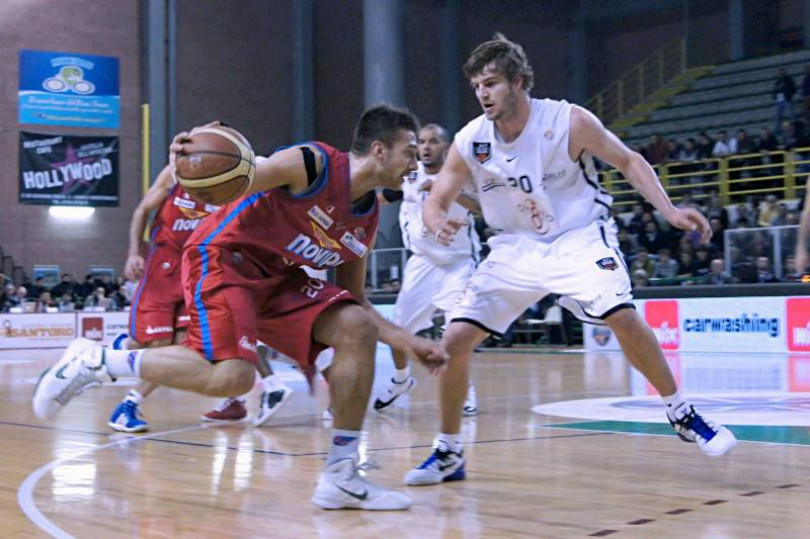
[[323, 238], [181, 225], [321, 217], [412, 176], [490, 184], [662, 316], [482, 151], [354, 245], [159, 329], [184, 203], [315, 255], [548, 135], [245, 343], [798, 324], [210, 208], [360, 232], [560, 174], [607, 263]]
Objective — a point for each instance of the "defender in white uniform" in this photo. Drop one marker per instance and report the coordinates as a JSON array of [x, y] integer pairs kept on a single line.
[[435, 274], [531, 161]]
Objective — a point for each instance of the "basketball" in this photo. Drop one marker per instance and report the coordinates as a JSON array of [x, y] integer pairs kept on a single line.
[[216, 165]]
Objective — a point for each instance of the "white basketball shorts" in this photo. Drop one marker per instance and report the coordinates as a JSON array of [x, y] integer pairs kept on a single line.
[[427, 287], [584, 264]]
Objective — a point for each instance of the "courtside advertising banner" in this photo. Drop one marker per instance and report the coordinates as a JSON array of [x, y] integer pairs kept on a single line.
[[102, 326], [744, 324], [37, 330], [61, 88], [66, 170]]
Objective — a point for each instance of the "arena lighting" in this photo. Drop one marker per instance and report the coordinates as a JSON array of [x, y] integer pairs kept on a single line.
[[71, 212]]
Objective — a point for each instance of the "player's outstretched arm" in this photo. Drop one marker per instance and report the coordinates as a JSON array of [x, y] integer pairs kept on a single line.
[[802, 256], [454, 174], [352, 277], [588, 134], [286, 167], [151, 201]]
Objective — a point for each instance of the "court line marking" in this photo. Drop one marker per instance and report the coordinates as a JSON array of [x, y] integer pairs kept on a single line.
[[25, 492]]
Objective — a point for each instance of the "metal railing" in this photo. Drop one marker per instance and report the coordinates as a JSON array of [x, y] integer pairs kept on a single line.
[[634, 86], [734, 177]]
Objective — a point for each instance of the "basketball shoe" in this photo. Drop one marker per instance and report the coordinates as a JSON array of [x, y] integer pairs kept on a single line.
[[340, 486], [81, 365], [230, 410], [713, 439], [470, 403], [270, 403], [127, 418], [392, 392], [443, 465]]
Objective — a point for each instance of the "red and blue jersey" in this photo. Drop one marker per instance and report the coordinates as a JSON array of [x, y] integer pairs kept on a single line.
[[319, 228], [177, 218]]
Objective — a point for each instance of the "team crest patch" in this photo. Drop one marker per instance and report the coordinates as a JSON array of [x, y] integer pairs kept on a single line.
[[601, 335], [607, 263], [482, 151]]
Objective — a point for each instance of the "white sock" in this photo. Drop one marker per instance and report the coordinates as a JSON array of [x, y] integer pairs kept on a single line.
[[400, 375], [676, 405], [271, 383], [345, 445], [134, 396], [451, 442], [123, 363]]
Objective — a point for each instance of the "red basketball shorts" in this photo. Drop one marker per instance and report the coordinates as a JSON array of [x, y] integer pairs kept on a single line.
[[232, 304], [158, 308]]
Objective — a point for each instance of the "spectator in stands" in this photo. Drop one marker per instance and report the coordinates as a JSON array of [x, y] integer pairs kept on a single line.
[[689, 152], [716, 209], [18, 298], [782, 215], [686, 264], [769, 212], [806, 94], [653, 239], [106, 281], [718, 232], [67, 284], [702, 260], [665, 266], [627, 245], [43, 303], [767, 141], [745, 144], [789, 138], [37, 288], [66, 304], [128, 289], [643, 262], [705, 145], [8, 298], [640, 279], [636, 225], [99, 299], [724, 146], [764, 273], [657, 150], [674, 149], [783, 91], [717, 274], [87, 288]]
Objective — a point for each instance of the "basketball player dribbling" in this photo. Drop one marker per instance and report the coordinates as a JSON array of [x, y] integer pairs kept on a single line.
[[532, 162], [308, 205], [435, 274]]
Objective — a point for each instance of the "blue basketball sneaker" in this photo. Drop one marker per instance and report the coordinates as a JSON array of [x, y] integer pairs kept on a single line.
[[713, 439], [443, 465], [127, 418]]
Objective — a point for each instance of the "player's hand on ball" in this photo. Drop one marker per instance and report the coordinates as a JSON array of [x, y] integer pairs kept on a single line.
[[133, 269], [428, 353], [690, 219], [448, 229]]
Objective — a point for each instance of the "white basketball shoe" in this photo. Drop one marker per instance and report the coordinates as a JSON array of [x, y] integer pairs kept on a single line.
[[340, 486], [81, 365], [713, 439]]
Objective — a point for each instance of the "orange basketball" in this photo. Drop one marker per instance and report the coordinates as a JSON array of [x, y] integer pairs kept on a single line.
[[216, 165]]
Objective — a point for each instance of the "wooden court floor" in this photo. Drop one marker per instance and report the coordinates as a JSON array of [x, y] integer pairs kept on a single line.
[[529, 475]]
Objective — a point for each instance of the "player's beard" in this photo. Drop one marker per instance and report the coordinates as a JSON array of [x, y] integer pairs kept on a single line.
[[508, 107]]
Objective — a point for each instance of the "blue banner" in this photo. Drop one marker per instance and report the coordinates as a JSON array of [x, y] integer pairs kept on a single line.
[[59, 88]]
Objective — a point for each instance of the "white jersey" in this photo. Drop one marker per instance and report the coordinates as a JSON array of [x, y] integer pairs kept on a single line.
[[416, 236], [530, 187]]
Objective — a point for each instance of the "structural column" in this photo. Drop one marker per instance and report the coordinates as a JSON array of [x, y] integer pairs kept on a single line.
[[736, 18], [303, 77]]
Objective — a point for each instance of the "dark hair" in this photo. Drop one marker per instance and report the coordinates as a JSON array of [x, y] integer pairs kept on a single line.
[[383, 123], [508, 58], [441, 132]]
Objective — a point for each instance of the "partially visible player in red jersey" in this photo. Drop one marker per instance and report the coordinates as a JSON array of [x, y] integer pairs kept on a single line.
[[308, 205]]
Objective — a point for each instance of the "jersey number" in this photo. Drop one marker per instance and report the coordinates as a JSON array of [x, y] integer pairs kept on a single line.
[[312, 288], [524, 182]]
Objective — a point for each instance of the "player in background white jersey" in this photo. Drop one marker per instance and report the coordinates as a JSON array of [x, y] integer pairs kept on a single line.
[[435, 274], [531, 161]]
